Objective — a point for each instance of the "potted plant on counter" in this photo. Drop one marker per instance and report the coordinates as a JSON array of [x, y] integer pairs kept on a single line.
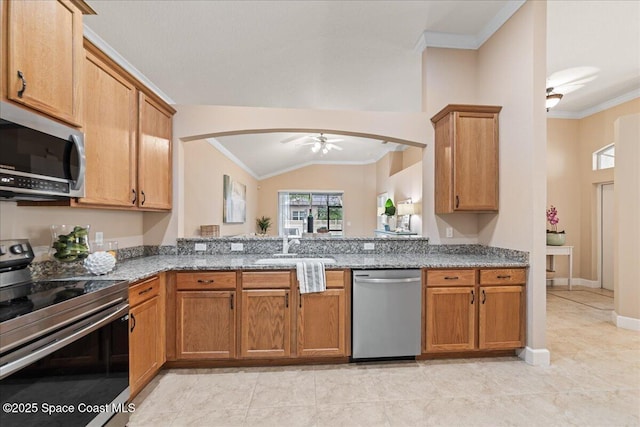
[[390, 212], [554, 237], [263, 223]]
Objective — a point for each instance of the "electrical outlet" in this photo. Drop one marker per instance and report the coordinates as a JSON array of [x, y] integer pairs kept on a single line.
[[237, 247], [369, 246], [99, 238], [449, 231], [201, 247]]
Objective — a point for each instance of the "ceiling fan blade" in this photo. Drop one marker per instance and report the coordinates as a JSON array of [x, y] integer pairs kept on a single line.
[[572, 76], [567, 88], [333, 147], [294, 139], [335, 140]]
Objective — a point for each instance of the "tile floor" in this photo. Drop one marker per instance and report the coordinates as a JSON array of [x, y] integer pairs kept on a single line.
[[593, 380]]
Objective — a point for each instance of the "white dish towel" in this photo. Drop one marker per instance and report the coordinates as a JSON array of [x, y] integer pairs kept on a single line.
[[311, 276]]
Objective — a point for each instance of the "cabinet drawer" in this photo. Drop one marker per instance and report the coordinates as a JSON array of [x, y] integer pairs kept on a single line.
[[335, 279], [503, 276], [266, 280], [206, 280], [144, 291], [451, 277]]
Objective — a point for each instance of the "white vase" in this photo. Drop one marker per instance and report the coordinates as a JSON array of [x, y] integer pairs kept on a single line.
[[556, 239]]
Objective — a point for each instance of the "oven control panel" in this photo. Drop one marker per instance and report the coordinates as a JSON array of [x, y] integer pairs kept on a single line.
[[15, 253]]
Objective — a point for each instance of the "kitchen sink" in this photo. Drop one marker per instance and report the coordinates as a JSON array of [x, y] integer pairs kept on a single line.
[[292, 261]]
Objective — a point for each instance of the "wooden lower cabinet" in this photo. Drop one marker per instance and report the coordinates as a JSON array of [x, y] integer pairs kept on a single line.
[[145, 339], [266, 323], [461, 315], [321, 324], [501, 317], [205, 325], [451, 319]]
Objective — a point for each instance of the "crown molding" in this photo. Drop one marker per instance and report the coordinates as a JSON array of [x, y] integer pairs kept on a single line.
[[559, 114], [216, 144], [468, 41], [90, 35]]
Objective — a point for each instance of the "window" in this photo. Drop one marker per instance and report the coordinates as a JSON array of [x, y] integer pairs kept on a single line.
[[326, 209], [604, 158]]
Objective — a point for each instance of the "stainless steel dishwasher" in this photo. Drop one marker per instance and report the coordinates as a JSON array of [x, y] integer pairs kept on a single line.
[[387, 313]]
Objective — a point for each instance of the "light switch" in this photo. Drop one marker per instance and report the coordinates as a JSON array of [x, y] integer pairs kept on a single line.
[[369, 246], [237, 247], [99, 237], [201, 247], [449, 231]]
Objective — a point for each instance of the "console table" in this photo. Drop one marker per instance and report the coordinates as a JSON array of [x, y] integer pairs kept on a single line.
[[561, 250]]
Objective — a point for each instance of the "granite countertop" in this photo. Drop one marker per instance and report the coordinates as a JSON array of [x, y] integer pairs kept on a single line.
[[140, 268]]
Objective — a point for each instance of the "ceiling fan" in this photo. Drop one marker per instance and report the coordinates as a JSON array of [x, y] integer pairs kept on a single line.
[[566, 81], [318, 143]]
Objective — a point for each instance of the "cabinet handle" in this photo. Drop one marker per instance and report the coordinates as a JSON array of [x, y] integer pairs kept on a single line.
[[484, 296], [286, 300], [206, 281], [451, 277], [133, 322], [457, 202], [135, 196], [144, 197], [231, 301], [473, 296], [145, 291], [504, 277], [300, 297], [24, 84]]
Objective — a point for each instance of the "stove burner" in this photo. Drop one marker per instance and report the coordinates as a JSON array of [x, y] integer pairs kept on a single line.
[[14, 308]]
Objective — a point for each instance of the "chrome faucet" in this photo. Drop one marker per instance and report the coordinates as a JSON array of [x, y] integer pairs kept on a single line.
[[286, 244]]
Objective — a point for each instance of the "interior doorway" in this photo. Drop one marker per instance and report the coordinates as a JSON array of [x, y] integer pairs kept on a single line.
[[606, 236]]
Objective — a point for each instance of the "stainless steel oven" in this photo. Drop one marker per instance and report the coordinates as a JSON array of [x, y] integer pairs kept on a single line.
[[64, 352]]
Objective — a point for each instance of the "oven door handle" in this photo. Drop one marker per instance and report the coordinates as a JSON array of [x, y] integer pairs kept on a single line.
[[59, 342]]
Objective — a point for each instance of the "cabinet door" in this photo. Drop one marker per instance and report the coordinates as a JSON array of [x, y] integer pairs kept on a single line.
[[144, 343], [321, 324], [450, 319], [154, 155], [475, 162], [205, 325], [45, 48], [501, 318], [110, 135], [266, 324]]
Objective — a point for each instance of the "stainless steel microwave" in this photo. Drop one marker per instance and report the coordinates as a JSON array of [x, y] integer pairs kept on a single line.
[[39, 157]]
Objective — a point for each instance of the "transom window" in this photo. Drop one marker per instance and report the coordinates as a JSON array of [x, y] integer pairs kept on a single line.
[[294, 208], [604, 158]]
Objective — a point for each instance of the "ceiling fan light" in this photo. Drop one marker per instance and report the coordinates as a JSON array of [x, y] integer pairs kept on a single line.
[[315, 148], [552, 100], [325, 150]]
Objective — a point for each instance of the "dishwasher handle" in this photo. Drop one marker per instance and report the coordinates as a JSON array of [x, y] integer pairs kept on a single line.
[[404, 280]]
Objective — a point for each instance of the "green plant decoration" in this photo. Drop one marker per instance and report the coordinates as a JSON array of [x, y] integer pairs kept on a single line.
[[263, 223], [389, 208]]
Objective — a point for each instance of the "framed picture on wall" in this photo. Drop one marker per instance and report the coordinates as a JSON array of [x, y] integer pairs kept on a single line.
[[235, 201]]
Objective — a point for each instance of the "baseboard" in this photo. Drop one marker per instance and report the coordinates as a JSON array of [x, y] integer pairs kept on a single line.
[[535, 356], [576, 281], [625, 322]]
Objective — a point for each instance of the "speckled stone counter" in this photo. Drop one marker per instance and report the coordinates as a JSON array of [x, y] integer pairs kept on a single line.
[[139, 268]]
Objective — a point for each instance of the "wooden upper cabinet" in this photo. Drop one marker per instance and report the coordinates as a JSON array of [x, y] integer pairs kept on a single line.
[[154, 155], [110, 121], [44, 57], [466, 158]]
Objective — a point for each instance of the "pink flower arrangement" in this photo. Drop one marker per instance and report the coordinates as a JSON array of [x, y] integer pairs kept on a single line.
[[552, 218]]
